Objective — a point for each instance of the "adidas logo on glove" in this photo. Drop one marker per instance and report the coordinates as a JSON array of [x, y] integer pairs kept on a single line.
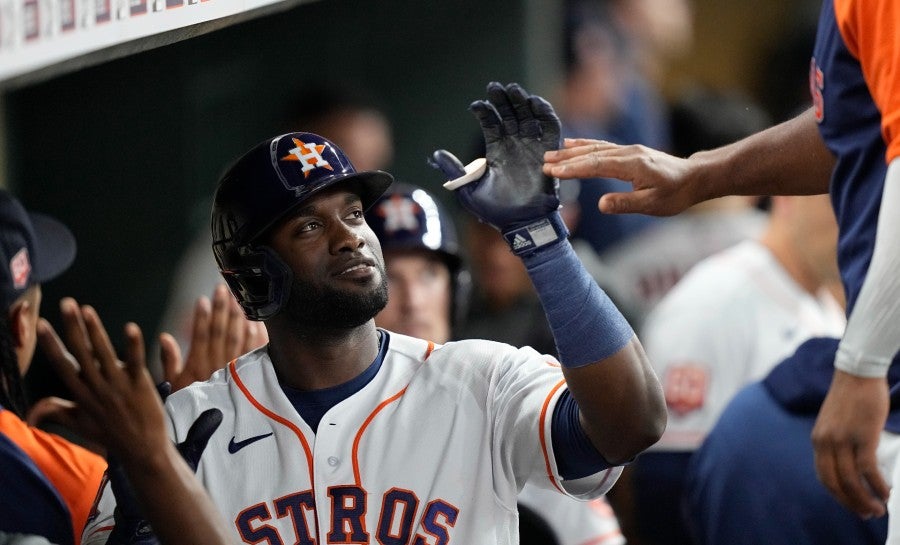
[[520, 242]]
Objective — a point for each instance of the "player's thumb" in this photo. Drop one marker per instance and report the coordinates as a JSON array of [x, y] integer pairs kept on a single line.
[[447, 163], [620, 203]]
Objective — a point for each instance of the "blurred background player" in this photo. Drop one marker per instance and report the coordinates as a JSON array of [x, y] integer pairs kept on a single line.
[[49, 484], [614, 53], [428, 287], [726, 323], [640, 270], [759, 451]]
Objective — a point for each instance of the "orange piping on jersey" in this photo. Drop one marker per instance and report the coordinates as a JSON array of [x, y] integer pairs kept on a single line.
[[362, 429], [602, 539], [429, 350], [232, 368], [543, 435]]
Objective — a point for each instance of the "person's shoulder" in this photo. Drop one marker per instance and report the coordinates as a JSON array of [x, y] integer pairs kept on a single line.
[[716, 276], [221, 381], [45, 446], [409, 347]]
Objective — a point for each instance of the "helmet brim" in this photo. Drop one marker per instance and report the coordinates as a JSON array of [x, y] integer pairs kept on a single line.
[[369, 185]]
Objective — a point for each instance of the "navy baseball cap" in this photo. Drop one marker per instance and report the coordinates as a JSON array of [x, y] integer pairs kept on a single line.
[[34, 248]]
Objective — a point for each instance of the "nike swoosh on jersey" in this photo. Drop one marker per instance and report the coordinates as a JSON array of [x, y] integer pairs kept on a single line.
[[234, 446]]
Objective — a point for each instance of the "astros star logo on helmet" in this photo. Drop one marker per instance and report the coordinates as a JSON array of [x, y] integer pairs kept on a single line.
[[308, 155], [399, 213]]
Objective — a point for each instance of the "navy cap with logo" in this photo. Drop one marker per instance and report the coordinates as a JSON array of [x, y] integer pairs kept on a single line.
[[34, 248]]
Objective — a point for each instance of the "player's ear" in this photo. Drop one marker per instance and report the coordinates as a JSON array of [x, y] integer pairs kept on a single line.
[[22, 322], [20, 318]]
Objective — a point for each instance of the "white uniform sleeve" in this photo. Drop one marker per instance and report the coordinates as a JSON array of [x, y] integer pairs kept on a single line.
[[872, 338], [526, 387]]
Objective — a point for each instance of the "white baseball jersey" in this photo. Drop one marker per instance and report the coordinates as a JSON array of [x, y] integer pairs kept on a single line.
[[434, 448], [641, 270], [731, 319], [574, 522]]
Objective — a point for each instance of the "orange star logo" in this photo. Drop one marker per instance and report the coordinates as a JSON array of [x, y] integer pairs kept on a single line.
[[308, 155]]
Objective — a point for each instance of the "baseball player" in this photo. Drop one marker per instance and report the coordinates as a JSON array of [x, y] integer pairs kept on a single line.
[[850, 138], [48, 482], [732, 318], [781, 500], [340, 432], [428, 283], [429, 287]]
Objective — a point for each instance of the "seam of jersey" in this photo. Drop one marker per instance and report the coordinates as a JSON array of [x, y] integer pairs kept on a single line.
[[232, 368], [428, 350], [543, 434], [362, 429]]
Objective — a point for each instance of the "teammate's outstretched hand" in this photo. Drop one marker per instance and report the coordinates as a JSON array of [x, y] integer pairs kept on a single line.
[[220, 333], [661, 183], [117, 403], [845, 438], [513, 191]]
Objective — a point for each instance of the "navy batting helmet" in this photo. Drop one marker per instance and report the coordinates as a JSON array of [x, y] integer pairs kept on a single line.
[[259, 189], [407, 217]]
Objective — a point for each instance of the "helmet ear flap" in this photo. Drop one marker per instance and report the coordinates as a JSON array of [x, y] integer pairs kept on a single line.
[[263, 285]]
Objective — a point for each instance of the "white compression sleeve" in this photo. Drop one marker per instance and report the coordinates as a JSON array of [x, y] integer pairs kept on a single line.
[[872, 338]]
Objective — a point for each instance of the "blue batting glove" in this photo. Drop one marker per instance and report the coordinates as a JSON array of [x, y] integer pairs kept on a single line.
[[513, 194]]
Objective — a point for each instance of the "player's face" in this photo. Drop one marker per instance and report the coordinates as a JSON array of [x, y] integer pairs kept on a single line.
[[339, 279], [420, 294]]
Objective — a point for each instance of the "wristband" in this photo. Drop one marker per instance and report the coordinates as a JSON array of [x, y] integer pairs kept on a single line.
[[525, 239], [587, 326]]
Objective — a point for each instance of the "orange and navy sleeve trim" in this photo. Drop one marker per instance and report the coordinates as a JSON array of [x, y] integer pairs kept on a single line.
[[869, 29], [543, 434]]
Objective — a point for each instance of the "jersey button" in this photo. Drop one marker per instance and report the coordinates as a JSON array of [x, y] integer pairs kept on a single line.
[[333, 461]]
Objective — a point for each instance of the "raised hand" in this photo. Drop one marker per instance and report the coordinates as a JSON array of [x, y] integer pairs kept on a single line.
[[118, 405], [512, 194], [132, 526], [219, 334], [660, 181]]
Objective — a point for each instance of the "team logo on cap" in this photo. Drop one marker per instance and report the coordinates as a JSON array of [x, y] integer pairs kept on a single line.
[[400, 214], [308, 155], [20, 269]]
